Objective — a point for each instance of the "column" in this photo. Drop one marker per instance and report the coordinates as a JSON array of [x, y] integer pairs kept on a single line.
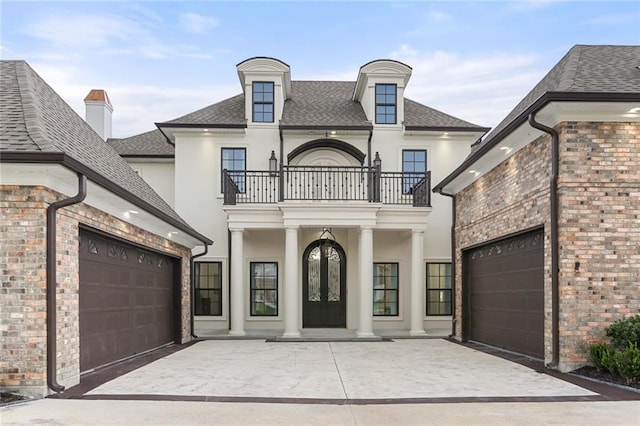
[[417, 283], [238, 301], [365, 327], [291, 283]]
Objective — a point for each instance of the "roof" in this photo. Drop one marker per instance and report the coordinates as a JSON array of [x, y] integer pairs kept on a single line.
[[36, 121], [586, 73], [149, 144], [584, 69], [319, 103]]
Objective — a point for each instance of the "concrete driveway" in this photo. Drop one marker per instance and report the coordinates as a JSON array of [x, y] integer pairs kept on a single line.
[[337, 371]]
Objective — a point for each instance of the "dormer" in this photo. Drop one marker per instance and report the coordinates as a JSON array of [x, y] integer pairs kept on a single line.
[[266, 83], [380, 91]]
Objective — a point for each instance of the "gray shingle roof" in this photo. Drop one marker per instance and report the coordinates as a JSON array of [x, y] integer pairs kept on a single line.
[[584, 69], [152, 143], [417, 115], [227, 112], [323, 103], [34, 119], [319, 103]]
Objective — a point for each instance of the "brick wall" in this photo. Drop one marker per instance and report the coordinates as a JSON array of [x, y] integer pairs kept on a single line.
[[600, 215], [512, 197], [599, 226], [23, 303]]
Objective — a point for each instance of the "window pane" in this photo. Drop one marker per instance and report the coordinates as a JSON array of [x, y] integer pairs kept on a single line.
[[264, 288], [439, 288], [208, 288], [385, 293]]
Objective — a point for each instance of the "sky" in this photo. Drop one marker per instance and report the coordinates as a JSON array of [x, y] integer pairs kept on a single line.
[[159, 60]]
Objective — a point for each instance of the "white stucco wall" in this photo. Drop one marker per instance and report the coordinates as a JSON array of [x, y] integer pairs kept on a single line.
[[158, 174]]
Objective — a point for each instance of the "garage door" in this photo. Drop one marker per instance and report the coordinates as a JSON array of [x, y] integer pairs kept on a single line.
[[504, 291], [128, 300]]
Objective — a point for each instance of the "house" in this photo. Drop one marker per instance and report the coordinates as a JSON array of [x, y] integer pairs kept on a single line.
[[324, 191], [95, 265], [547, 232]]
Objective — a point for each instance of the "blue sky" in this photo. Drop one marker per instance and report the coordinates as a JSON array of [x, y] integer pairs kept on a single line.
[[160, 60]]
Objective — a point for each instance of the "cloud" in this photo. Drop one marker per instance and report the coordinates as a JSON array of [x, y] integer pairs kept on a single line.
[[612, 19], [481, 89], [197, 24]]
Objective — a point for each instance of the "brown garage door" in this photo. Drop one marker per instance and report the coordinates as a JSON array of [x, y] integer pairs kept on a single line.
[[128, 300], [504, 293]]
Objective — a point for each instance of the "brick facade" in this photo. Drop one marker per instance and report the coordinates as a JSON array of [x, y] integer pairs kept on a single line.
[[23, 302], [599, 199]]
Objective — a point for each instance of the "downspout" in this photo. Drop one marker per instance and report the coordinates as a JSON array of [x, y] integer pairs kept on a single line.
[[369, 147], [193, 286], [555, 270], [51, 284], [453, 262]]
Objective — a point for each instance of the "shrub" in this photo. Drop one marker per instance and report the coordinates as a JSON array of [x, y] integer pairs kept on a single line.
[[603, 357], [625, 332], [627, 362]]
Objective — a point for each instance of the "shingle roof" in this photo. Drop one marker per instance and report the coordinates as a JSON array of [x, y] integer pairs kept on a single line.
[[417, 115], [584, 69], [323, 103], [152, 143], [34, 119], [227, 112]]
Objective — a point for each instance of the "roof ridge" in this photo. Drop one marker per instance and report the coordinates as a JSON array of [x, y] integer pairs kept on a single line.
[[570, 69], [31, 109]]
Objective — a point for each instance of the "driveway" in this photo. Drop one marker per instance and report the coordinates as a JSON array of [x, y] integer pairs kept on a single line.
[[404, 369]]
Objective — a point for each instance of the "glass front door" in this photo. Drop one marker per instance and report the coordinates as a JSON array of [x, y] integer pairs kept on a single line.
[[324, 285]]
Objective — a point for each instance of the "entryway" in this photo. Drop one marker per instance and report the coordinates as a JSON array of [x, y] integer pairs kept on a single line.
[[324, 285]]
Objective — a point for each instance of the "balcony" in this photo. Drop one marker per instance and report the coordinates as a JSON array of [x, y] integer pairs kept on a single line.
[[327, 183]]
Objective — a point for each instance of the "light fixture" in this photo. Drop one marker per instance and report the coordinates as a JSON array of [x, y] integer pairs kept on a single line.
[[506, 149], [333, 132], [205, 130], [377, 162], [326, 241], [634, 110], [133, 211], [473, 171], [273, 163]]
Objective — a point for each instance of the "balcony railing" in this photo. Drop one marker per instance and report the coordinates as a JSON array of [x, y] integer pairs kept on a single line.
[[326, 183]]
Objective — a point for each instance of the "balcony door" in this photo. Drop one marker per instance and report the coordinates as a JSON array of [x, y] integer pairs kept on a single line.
[[324, 285]]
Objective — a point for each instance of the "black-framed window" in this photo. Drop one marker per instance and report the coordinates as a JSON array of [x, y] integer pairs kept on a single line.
[[385, 289], [438, 288], [386, 103], [208, 288], [414, 167], [235, 161], [263, 102], [264, 288]]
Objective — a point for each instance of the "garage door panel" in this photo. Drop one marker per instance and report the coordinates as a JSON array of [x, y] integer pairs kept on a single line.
[[505, 286], [127, 300]]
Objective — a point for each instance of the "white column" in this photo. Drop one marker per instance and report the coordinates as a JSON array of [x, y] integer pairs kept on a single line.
[[365, 327], [417, 283], [238, 301], [291, 284]]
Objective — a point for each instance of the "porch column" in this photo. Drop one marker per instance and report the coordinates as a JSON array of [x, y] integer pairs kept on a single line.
[[291, 294], [417, 283], [237, 283], [365, 327]]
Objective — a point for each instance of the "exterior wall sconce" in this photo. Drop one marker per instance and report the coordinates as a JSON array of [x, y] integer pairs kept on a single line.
[[377, 162], [273, 163]]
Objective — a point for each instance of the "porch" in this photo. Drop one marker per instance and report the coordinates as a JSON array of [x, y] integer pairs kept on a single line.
[[327, 183]]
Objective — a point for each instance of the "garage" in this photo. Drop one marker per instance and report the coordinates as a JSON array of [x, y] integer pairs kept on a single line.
[[503, 288], [128, 300]]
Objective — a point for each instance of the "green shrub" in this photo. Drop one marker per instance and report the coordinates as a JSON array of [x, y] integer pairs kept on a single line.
[[625, 332], [603, 357], [627, 362]]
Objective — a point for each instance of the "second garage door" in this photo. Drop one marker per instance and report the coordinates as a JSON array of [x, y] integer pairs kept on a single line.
[[128, 300], [504, 293]]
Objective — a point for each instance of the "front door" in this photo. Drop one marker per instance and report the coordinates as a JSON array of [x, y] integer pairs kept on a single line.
[[324, 295]]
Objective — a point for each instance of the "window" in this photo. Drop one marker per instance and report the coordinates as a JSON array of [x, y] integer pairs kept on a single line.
[[208, 288], [438, 289], [414, 167], [234, 160], [386, 101], [264, 289], [385, 289], [262, 102]]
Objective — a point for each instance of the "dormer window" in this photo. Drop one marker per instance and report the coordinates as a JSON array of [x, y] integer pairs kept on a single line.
[[386, 103], [263, 102]]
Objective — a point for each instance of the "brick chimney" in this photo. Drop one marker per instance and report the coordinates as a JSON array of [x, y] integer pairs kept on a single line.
[[98, 112]]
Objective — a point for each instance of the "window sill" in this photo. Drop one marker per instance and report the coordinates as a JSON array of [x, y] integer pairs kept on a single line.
[[264, 318]]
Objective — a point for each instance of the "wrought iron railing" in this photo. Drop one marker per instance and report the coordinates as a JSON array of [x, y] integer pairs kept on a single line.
[[326, 183]]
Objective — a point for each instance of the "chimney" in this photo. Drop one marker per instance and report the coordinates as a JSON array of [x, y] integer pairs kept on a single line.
[[98, 112]]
